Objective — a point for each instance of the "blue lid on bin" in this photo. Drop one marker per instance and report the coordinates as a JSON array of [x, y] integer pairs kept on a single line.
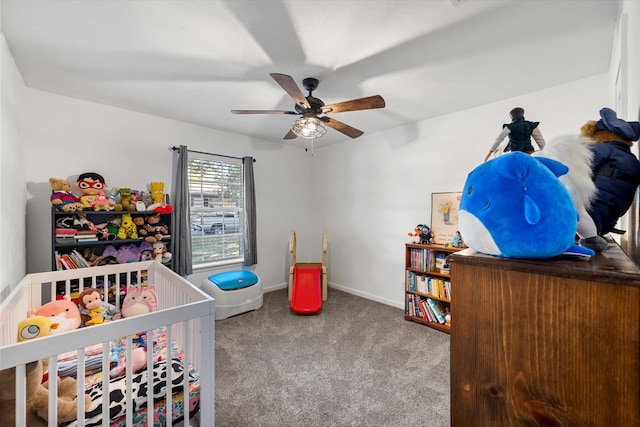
[[232, 280]]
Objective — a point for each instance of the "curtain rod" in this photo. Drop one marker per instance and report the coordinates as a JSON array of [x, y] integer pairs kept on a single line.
[[174, 148]]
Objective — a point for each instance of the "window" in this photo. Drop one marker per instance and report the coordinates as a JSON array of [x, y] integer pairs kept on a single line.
[[216, 192]]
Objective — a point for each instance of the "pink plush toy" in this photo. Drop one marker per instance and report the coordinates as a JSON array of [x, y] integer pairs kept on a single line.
[[139, 300], [63, 312]]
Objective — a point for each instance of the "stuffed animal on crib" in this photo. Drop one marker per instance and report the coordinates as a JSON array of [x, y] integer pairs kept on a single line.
[[127, 228], [62, 312], [95, 311], [37, 394], [139, 300], [515, 206], [62, 197], [157, 195]]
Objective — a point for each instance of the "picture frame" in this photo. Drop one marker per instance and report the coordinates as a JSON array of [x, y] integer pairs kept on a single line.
[[444, 216]]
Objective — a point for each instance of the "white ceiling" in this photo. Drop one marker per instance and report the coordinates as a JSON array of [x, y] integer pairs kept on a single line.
[[194, 61]]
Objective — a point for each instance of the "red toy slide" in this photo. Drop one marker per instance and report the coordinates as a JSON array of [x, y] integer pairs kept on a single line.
[[306, 296]]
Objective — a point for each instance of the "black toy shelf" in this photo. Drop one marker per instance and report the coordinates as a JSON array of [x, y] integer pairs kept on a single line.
[[64, 243]]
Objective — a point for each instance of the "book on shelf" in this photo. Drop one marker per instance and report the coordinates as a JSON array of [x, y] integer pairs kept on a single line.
[[439, 261], [437, 310], [88, 236], [429, 315], [66, 231], [71, 261], [80, 260]]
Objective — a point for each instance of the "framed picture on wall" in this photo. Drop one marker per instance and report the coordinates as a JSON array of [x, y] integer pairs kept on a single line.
[[444, 216]]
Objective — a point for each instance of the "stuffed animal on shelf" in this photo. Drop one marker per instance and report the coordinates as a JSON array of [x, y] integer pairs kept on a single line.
[[113, 225], [62, 312], [603, 173], [139, 221], [146, 251], [457, 241], [145, 198], [124, 254], [139, 300], [153, 230], [126, 199], [101, 203], [157, 195], [37, 394], [615, 171], [62, 197], [97, 259], [160, 253], [426, 236], [127, 228], [114, 198], [95, 311], [415, 235], [515, 206], [91, 185]]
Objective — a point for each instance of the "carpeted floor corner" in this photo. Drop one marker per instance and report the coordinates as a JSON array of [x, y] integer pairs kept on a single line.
[[356, 363]]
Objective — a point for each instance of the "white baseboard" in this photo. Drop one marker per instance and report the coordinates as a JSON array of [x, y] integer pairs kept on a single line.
[[276, 287], [343, 289]]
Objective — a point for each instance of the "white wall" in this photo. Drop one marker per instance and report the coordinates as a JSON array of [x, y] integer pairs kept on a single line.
[[64, 137], [370, 192], [12, 175]]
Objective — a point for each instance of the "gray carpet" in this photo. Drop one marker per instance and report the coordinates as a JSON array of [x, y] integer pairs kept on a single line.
[[357, 363]]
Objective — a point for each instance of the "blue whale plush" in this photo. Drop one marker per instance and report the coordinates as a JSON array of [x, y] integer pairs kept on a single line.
[[515, 206]]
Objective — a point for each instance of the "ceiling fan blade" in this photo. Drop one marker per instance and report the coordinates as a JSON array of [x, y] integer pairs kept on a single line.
[[290, 135], [263, 112], [367, 103], [289, 85], [342, 127]]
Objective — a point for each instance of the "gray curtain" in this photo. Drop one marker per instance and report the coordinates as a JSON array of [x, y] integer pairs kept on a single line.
[[181, 261], [250, 245]]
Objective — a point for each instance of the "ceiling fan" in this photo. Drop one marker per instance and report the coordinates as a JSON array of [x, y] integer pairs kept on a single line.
[[311, 124]]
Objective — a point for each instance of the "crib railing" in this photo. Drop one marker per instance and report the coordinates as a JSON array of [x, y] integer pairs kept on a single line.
[[186, 312]]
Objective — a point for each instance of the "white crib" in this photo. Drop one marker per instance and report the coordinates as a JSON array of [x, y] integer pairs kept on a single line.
[[185, 314]]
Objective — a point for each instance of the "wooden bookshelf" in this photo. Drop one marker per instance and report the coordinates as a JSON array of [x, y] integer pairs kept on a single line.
[[428, 284]]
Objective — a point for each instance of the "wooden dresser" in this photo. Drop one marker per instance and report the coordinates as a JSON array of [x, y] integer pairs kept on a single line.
[[551, 342]]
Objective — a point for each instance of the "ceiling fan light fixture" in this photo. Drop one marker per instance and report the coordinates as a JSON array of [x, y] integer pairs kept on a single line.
[[309, 127]]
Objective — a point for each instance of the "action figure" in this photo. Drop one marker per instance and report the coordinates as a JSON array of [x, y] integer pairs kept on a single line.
[[520, 132]]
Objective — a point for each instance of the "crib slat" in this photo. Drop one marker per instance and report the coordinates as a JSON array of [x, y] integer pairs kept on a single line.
[[169, 392], [80, 387], [185, 379], [105, 384], [21, 390], [128, 368], [53, 391]]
